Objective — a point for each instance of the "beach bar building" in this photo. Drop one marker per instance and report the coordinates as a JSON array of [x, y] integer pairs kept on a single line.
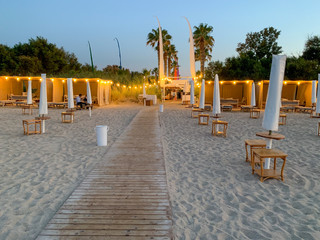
[[15, 88]]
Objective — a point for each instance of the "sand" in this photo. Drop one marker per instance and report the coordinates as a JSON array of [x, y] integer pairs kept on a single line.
[[212, 191], [39, 172], [215, 196]]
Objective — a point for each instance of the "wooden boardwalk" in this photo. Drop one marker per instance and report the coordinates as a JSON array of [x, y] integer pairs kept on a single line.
[[124, 197]]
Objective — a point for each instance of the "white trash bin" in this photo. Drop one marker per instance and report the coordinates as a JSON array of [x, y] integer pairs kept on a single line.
[[102, 135], [161, 108]]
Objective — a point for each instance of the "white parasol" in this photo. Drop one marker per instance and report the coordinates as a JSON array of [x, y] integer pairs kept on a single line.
[[271, 116], [216, 109], [253, 95], [89, 99], [191, 92], [29, 94], [314, 91], [70, 93], [201, 104]]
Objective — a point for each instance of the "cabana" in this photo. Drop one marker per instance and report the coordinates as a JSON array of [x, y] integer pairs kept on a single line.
[[235, 92], [297, 92], [15, 88]]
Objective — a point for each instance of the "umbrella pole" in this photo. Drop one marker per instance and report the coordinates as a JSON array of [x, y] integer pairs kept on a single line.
[[268, 146], [90, 111]]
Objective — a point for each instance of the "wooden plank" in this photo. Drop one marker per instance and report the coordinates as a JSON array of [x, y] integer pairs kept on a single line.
[[97, 232], [110, 221], [101, 238], [114, 211], [113, 216], [67, 226]]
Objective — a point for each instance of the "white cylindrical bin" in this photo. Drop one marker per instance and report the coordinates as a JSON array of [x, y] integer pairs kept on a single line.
[[161, 108], [102, 135]]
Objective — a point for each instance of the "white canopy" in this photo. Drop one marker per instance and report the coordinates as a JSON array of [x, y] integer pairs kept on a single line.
[[201, 104], [272, 110], [216, 109], [43, 103], [70, 93]]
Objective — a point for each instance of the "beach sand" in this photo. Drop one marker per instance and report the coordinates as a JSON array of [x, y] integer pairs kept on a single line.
[[212, 191], [39, 172]]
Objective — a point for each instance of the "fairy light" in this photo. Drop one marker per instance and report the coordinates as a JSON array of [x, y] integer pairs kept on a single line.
[[234, 82], [285, 82], [63, 80], [86, 80], [40, 79], [248, 81], [259, 83], [18, 79], [221, 82], [98, 80], [52, 79], [118, 84], [29, 78], [298, 83], [74, 80]]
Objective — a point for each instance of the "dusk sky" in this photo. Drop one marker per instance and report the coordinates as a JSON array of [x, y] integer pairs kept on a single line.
[[71, 23]]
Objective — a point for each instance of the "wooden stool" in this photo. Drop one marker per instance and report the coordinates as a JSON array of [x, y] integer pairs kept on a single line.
[[259, 155], [71, 110], [64, 119], [254, 113], [282, 119], [28, 109], [27, 123], [196, 112], [203, 119], [253, 143], [215, 124]]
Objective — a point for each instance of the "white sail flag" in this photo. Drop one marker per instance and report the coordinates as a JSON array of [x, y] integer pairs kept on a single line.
[[70, 93], [161, 68], [192, 62], [43, 103], [216, 109], [253, 95], [202, 96], [29, 94], [272, 110], [314, 92]]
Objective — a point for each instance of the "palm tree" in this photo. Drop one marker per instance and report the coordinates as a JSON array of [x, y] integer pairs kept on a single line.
[[203, 42], [153, 40], [172, 55]]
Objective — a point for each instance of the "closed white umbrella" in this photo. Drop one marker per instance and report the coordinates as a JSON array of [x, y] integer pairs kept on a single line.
[[191, 92], [253, 95], [318, 97], [70, 93], [271, 116], [201, 104], [314, 91], [29, 94], [89, 99], [43, 103], [216, 108]]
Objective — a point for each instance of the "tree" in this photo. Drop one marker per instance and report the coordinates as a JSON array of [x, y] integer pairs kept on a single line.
[[298, 68], [203, 42], [153, 40], [212, 69], [261, 44], [172, 56], [312, 49], [8, 64]]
